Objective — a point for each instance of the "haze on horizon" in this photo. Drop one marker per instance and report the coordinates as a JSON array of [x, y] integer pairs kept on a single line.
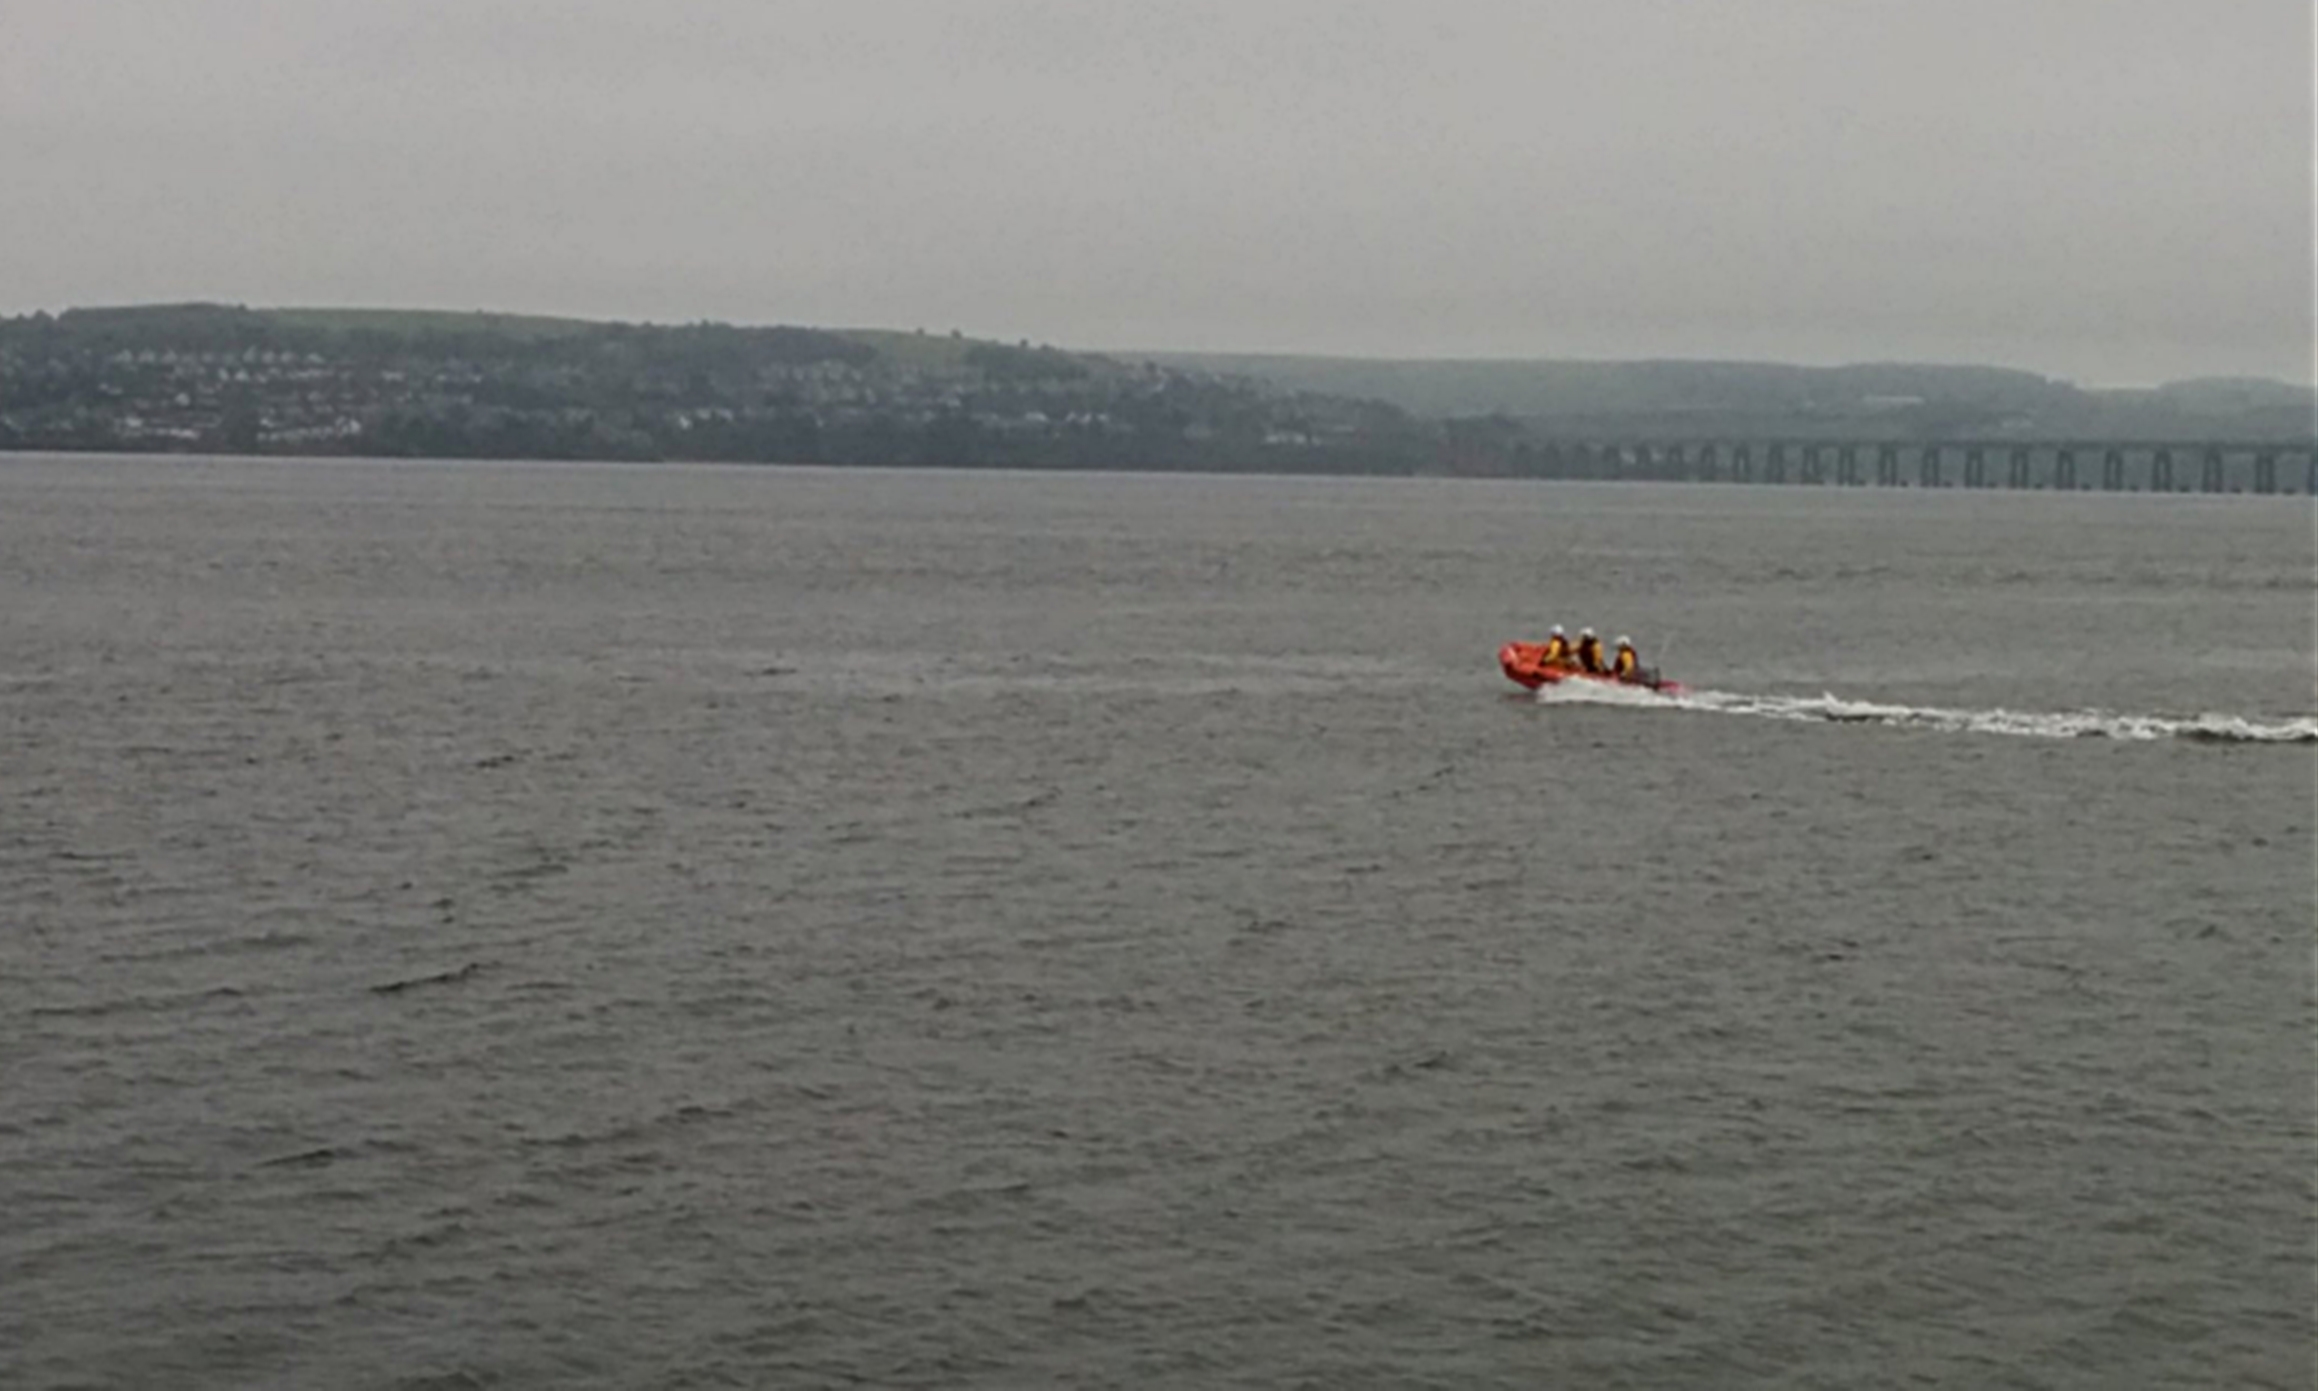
[[2112, 191]]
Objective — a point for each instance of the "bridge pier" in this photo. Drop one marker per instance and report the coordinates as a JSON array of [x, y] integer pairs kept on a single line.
[[2113, 471], [1975, 467], [2216, 476], [1928, 467], [1775, 466], [1887, 467], [2064, 469], [2161, 472], [2266, 471], [1847, 466], [1814, 464]]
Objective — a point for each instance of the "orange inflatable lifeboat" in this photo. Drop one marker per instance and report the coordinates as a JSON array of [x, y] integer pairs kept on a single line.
[[1525, 665]]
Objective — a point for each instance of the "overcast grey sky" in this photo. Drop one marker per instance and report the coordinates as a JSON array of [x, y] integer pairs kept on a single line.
[[2108, 190]]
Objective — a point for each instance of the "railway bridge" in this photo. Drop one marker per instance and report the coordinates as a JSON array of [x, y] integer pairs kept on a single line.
[[2266, 467]]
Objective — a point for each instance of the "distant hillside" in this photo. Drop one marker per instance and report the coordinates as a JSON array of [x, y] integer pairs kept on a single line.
[[379, 382], [1869, 400], [231, 379], [1539, 387], [2236, 393]]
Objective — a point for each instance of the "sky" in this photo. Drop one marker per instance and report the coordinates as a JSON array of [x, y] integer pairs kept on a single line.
[[2110, 191]]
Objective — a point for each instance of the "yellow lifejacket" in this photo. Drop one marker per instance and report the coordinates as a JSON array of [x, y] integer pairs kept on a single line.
[[1628, 662], [1556, 651]]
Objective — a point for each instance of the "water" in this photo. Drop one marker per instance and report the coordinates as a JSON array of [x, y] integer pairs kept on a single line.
[[508, 926]]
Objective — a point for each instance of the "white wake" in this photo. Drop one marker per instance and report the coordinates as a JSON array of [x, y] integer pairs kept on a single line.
[[1832, 709]]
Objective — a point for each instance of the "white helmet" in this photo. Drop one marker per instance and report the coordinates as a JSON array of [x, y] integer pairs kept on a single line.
[[1585, 632], [1557, 632], [1625, 642]]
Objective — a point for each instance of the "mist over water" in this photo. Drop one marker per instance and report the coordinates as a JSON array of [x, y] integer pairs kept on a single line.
[[571, 926]]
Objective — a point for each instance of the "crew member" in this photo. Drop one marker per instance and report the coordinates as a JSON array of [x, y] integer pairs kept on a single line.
[[1589, 652], [1626, 664], [1556, 653]]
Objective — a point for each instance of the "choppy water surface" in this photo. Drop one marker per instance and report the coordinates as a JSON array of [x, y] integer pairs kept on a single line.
[[501, 926]]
